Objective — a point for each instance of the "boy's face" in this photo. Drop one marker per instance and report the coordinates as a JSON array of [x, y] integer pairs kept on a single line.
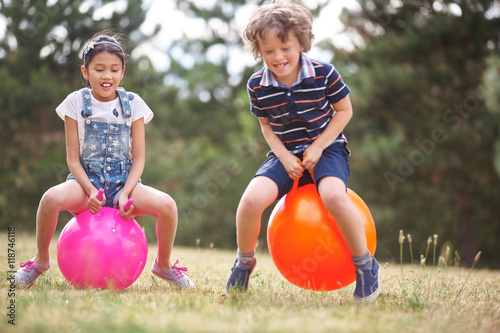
[[281, 57]]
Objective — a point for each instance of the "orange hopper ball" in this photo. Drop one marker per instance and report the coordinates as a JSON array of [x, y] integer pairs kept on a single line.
[[306, 245]]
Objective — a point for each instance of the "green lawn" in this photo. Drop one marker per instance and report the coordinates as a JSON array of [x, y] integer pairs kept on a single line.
[[413, 299]]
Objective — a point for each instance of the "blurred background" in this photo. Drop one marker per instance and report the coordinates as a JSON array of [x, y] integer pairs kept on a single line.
[[425, 137]]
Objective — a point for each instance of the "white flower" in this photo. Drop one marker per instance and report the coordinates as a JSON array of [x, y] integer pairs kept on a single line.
[[90, 46]]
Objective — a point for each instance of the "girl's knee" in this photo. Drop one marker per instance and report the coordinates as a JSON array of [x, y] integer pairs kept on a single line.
[[167, 206], [51, 199]]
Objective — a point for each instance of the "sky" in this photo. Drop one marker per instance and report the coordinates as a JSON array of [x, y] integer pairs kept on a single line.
[[174, 23]]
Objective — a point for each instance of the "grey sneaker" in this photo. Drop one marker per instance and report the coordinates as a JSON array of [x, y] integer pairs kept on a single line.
[[173, 276], [367, 286], [29, 272], [239, 278]]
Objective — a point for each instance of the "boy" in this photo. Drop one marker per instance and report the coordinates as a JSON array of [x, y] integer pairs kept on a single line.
[[302, 106]]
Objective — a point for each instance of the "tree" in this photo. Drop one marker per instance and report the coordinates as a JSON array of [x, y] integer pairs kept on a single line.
[[425, 133]]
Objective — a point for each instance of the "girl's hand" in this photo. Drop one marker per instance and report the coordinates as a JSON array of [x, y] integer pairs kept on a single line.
[[311, 157], [293, 166], [95, 204], [126, 214]]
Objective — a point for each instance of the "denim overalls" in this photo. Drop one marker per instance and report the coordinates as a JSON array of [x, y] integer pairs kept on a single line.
[[105, 150]]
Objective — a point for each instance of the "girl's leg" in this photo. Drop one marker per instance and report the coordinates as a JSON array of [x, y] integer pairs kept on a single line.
[[259, 194], [332, 191], [68, 196], [150, 201]]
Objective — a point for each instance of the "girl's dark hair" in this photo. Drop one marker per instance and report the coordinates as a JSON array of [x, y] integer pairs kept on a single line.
[[104, 41]]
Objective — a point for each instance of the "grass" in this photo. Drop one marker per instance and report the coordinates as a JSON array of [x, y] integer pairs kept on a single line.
[[413, 299]]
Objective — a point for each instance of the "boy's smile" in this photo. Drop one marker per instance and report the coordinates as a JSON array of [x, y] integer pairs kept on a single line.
[[281, 57]]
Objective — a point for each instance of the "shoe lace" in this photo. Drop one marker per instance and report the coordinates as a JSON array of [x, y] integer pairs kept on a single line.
[[29, 265], [179, 271]]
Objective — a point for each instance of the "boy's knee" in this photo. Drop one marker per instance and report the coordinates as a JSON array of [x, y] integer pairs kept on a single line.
[[249, 203], [336, 201]]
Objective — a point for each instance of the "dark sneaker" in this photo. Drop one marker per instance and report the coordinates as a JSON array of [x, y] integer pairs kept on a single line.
[[367, 288], [239, 278], [29, 272]]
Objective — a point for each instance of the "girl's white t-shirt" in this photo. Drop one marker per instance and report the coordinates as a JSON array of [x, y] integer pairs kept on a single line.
[[110, 111]]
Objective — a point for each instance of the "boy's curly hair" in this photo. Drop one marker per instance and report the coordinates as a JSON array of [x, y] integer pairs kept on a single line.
[[284, 15]]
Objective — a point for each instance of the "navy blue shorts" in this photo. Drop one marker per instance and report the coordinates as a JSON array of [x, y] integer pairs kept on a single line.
[[333, 162]]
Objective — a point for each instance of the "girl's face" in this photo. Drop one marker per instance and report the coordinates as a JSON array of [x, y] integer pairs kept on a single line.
[[281, 57], [104, 73]]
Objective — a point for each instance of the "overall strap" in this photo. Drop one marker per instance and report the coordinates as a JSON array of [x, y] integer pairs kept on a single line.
[[126, 110], [87, 109]]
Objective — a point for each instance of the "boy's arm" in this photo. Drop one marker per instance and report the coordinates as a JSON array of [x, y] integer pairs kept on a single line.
[[291, 163], [75, 167], [342, 116]]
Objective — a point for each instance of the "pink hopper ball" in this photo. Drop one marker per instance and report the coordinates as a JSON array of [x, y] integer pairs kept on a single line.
[[102, 250]]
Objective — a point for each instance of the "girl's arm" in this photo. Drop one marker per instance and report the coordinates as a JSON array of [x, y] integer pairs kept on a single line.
[[75, 167], [342, 116], [138, 162], [291, 162]]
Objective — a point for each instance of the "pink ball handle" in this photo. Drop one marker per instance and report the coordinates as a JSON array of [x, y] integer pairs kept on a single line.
[[127, 205], [100, 194]]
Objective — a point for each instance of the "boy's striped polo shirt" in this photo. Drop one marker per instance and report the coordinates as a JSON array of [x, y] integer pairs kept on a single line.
[[298, 115]]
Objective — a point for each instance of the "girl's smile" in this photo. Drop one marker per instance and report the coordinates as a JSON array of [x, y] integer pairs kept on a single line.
[[104, 74]]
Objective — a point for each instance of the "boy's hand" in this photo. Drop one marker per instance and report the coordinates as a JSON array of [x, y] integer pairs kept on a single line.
[[311, 157], [293, 166], [94, 203]]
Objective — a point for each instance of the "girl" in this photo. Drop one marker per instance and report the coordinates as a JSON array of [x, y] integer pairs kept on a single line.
[[105, 145]]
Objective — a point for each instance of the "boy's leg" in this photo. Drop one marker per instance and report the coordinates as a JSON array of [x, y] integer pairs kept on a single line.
[[150, 201], [333, 193], [66, 196], [259, 194]]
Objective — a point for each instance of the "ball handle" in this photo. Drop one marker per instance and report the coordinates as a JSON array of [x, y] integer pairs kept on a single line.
[[100, 194], [127, 205], [296, 183]]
